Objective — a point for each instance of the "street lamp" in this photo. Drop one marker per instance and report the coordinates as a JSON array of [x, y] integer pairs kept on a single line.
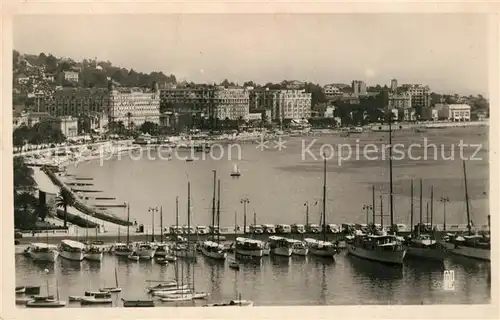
[[367, 207], [245, 201], [444, 200], [153, 210]]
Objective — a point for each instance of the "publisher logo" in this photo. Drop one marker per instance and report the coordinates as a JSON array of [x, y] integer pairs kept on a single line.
[[449, 280]]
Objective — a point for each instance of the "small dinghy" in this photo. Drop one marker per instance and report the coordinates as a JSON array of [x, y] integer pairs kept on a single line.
[[170, 258], [96, 298], [168, 293], [194, 296], [236, 171], [23, 301], [20, 290], [167, 285], [133, 256], [234, 265], [75, 298], [232, 303], [138, 303], [187, 297], [112, 289]]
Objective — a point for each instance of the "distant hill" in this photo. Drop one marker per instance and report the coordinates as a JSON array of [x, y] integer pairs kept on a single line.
[[92, 73]]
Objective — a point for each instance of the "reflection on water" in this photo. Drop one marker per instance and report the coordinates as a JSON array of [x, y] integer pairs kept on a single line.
[[273, 280]]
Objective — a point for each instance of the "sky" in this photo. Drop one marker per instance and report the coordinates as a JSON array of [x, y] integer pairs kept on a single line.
[[448, 52]]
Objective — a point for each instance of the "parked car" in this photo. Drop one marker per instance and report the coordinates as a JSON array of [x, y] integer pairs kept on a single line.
[[256, 229], [313, 228], [269, 228], [298, 228], [283, 228], [333, 228]]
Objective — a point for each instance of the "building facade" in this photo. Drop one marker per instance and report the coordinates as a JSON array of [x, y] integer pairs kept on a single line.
[[420, 95], [71, 76], [454, 112], [232, 103], [134, 106], [331, 91], [394, 85], [359, 87], [283, 104], [68, 126], [399, 100], [75, 102]]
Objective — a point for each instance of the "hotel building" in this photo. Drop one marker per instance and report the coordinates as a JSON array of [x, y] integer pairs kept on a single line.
[[454, 112], [420, 95], [232, 103], [283, 104]]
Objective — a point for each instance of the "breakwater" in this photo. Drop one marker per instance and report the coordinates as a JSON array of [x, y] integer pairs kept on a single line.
[[81, 206]]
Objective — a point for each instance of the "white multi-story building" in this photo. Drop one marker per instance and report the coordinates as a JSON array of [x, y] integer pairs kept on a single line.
[[134, 106], [293, 104], [454, 112], [68, 126], [359, 87], [71, 76], [332, 91], [420, 95], [399, 100], [232, 103]]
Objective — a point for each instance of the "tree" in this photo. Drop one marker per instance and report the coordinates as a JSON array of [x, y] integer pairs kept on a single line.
[[63, 200], [149, 127], [42, 211], [23, 175], [129, 115], [42, 59]]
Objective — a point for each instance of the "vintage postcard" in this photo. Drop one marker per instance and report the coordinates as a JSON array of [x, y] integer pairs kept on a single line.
[[250, 160]]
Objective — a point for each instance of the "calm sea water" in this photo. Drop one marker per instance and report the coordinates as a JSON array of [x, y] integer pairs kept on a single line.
[[277, 183]]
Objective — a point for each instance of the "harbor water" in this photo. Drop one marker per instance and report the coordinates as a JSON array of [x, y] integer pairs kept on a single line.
[[277, 183]]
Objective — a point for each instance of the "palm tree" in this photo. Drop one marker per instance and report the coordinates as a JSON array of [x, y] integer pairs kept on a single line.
[[63, 200]]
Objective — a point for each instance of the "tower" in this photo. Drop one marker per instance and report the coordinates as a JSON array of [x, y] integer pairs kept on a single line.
[[394, 85]]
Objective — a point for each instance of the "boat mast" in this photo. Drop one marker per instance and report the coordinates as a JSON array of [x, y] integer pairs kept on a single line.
[[218, 210], [116, 278], [324, 199], [176, 238], [390, 170], [469, 227], [213, 205], [411, 208], [381, 212], [128, 223], [373, 204], [161, 224], [189, 215], [432, 205], [421, 209]]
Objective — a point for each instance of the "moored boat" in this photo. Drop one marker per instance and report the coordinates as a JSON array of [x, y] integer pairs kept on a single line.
[[280, 246], [299, 248], [473, 246], [20, 290], [213, 250], [249, 247], [138, 303], [45, 302], [96, 298], [133, 256], [122, 249], [145, 250], [424, 246], [43, 252], [161, 260], [72, 250], [93, 253], [114, 289], [382, 248], [232, 303], [321, 248]]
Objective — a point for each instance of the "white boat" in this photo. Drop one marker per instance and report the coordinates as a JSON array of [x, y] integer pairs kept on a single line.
[[236, 171], [145, 250], [193, 296], [280, 246], [474, 246], [186, 297], [299, 248], [161, 250], [382, 248], [43, 252], [321, 248], [425, 247], [232, 303], [213, 250], [168, 292], [184, 252], [20, 290], [122, 249], [249, 247], [164, 285], [133, 256], [266, 250], [93, 253], [45, 302], [72, 250], [97, 298], [161, 260]]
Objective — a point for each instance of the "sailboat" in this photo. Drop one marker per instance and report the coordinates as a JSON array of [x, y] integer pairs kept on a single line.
[[114, 289], [124, 249], [187, 295], [233, 264], [380, 247], [214, 249], [92, 252], [186, 251], [48, 301], [322, 248], [236, 171], [424, 245], [472, 245]]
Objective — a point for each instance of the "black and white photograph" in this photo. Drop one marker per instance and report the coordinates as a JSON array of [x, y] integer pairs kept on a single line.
[[251, 160]]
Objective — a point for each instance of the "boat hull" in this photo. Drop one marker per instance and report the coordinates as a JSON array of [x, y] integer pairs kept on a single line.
[[75, 256], [282, 251], [214, 255], [89, 301], [51, 304], [300, 252], [250, 253], [122, 253], [387, 257], [474, 253], [436, 254], [322, 253], [96, 256], [50, 256], [146, 253]]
